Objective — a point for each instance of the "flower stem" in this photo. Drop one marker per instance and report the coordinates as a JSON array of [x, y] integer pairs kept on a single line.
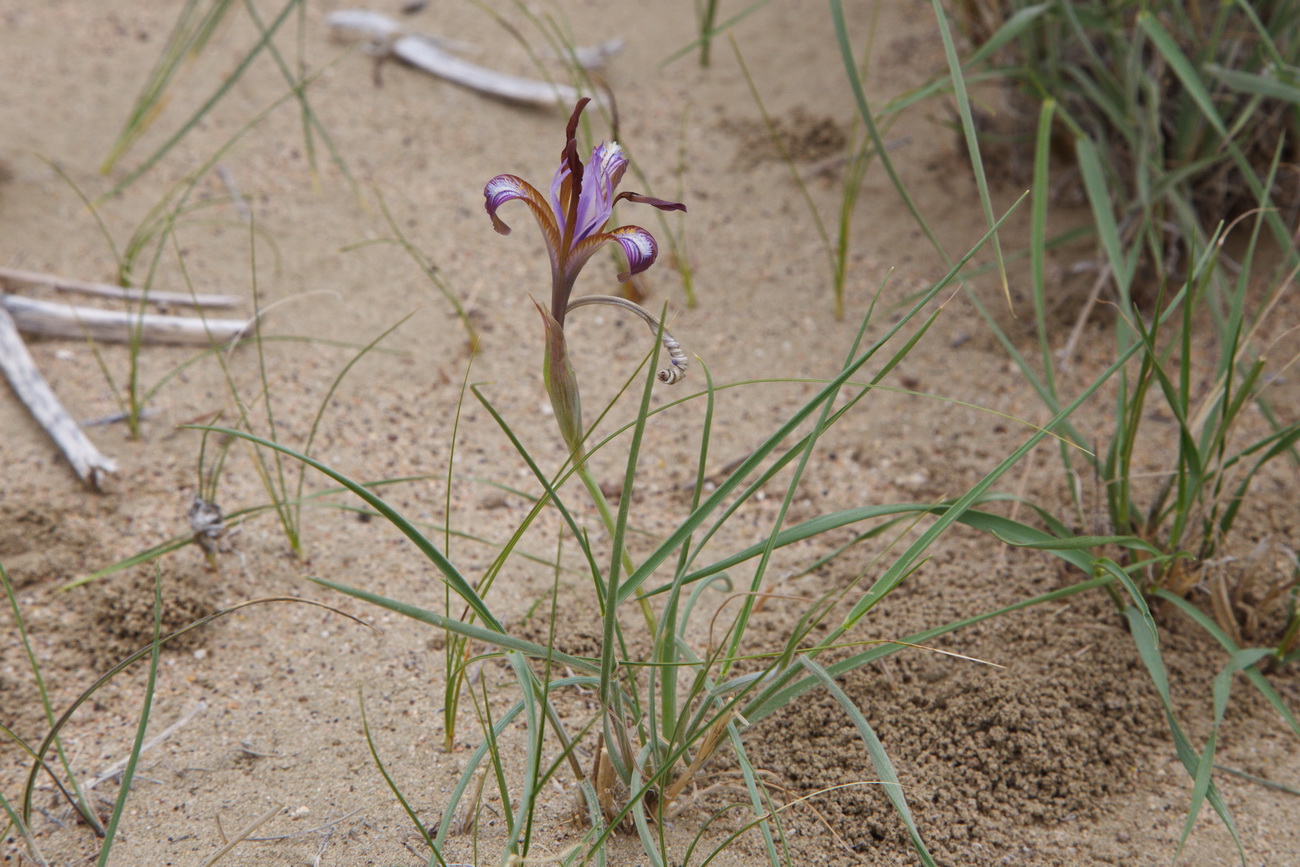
[[607, 518]]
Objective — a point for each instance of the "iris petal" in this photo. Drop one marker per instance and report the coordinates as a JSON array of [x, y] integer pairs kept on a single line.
[[608, 162], [557, 195], [638, 244], [640, 247], [661, 204], [574, 215], [506, 188]]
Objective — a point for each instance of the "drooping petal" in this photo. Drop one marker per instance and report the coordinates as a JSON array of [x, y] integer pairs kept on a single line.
[[505, 188], [640, 247], [661, 204], [638, 244]]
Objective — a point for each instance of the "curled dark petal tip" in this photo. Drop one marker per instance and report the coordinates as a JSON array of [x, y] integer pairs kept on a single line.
[[661, 204]]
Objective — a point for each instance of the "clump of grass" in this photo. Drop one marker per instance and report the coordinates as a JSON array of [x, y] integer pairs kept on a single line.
[[1178, 119], [1197, 499], [662, 716], [1179, 108]]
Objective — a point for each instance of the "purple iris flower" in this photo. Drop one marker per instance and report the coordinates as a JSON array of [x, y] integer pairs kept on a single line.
[[573, 218], [573, 222]]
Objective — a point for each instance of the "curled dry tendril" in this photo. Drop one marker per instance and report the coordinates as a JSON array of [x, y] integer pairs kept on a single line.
[[676, 371]]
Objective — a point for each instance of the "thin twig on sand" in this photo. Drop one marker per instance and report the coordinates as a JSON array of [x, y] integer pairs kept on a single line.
[[242, 834], [388, 37], [50, 319], [107, 290], [35, 393], [117, 767]]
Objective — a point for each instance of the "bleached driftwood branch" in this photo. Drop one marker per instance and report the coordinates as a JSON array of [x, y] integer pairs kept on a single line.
[[107, 290], [386, 37], [36, 394], [65, 320]]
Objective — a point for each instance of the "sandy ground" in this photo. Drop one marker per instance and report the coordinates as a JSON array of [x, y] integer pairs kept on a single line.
[[1063, 757]]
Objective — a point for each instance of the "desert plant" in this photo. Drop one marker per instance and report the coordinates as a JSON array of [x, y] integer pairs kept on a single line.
[[1176, 113], [1199, 497], [657, 727], [1177, 120], [661, 717]]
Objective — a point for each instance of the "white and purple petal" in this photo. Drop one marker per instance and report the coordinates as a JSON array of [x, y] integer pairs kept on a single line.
[[506, 188], [638, 244], [640, 247], [602, 174]]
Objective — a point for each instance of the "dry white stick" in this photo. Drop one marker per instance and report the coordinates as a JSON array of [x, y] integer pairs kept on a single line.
[[389, 37], [64, 320], [163, 735], [107, 290], [36, 394]]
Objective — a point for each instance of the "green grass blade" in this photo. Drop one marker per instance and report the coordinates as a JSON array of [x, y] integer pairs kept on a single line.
[[971, 137], [707, 34], [1041, 196], [1010, 531], [1255, 83], [188, 38], [864, 110], [128, 774], [392, 785], [207, 106], [715, 500], [79, 801], [469, 630], [535, 724], [757, 800], [1183, 68], [467, 776], [1254, 675], [297, 85], [1122, 265], [1145, 635], [20, 827], [450, 573], [1015, 25], [879, 758]]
